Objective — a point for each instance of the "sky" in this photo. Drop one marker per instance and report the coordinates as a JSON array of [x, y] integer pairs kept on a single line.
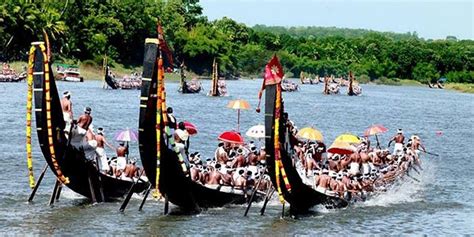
[[431, 19]]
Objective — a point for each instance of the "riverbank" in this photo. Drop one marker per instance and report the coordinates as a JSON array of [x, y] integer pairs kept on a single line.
[[466, 88], [96, 73]]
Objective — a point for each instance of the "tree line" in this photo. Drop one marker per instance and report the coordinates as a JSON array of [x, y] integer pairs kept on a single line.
[[86, 30]]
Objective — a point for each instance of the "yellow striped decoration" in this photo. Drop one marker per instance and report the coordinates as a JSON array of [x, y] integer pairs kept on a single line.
[[157, 193], [29, 107], [52, 151], [279, 168]]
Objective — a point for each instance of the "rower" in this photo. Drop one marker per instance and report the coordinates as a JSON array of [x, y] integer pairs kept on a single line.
[[415, 146], [121, 160], [84, 122], [66, 106], [399, 141], [101, 141]]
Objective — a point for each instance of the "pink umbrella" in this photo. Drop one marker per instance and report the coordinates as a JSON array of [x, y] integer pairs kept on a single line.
[[126, 135], [374, 130], [231, 137]]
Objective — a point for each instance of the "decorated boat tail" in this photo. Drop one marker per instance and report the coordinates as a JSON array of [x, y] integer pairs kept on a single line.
[[289, 86], [218, 87], [284, 176], [67, 162], [330, 88], [308, 80], [353, 88], [188, 87], [132, 82], [164, 166]]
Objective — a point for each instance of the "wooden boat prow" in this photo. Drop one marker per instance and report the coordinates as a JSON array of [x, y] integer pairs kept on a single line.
[[301, 197], [71, 161]]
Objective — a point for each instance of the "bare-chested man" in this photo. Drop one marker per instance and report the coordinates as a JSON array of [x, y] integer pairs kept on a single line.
[[227, 177], [101, 142], [252, 157], [416, 144], [241, 181], [121, 160], [322, 181], [399, 141], [215, 177], [220, 154], [355, 164], [239, 161], [84, 121], [130, 169], [195, 173], [365, 159], [66, 106]]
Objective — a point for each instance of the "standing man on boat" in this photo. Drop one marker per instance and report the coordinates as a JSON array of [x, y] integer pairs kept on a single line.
[[415, 146], [121, 160], [84, 121], [399, 141], [101, 141], [66, 106], [171, 118]]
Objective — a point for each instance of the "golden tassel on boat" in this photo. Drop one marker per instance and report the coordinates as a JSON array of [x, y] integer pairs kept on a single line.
[[46, 88], [158, 123], [29, 106]]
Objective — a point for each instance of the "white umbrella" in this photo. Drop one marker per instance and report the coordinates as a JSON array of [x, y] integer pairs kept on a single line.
[[257, 131]]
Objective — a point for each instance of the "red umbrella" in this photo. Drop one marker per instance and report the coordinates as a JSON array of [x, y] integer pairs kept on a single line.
[[374, 130], [342, 148], [232, 137], [192, 130]]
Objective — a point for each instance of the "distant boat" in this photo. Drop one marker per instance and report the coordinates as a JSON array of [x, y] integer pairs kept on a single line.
[[218, 87], [70, 73]]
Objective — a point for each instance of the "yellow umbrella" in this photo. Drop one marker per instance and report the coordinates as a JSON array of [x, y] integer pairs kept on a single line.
[[349, 138], [238, 105], [310, 134]]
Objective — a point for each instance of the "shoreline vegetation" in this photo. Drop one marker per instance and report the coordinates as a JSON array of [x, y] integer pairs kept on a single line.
[[95, 73], [84, 32]]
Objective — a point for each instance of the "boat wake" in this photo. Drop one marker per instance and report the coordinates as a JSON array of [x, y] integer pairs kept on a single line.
[[409, 189]]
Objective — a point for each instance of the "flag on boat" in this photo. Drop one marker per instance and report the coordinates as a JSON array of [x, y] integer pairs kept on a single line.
[[273, 72]]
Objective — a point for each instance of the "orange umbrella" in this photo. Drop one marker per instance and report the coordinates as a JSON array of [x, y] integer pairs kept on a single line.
[[374, 130], [238, 105]]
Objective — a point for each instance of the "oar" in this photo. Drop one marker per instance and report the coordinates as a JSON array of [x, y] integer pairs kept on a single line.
[[270, 192], [166, 205], [144, 197], [40, 178], [417, 180], [101, 187], [283, 211], [91, 186], [58, 193], [55, 191], [253, 195], [60, 187], [430, 153], [130, 193]]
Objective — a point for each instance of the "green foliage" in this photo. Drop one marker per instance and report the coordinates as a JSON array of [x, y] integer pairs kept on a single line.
[[425, 73], [87, 30]]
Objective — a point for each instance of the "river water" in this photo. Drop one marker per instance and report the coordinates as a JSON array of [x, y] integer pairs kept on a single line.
[[440, 204]]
